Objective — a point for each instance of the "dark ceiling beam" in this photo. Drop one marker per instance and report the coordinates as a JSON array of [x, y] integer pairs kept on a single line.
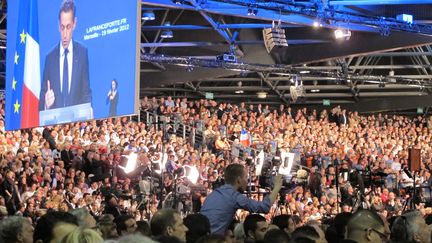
[[304, 78], [175, 27], [252, 79], [414, 76], [219, 26], [320, 102], [327, 95], [401, 54], [166, 89], [408, 66], [360, 87], [253, 26], [221, 43], [402, 66], [195, 88], [382, 104], [378, 2], [362, 94], [233, 88], [182, 44], [148, 70], [178, 74], [272, 87], [245, 96], [390, 94], [387, 87]]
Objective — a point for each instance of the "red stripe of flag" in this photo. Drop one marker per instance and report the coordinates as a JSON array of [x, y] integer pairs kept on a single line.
[[30, 109]]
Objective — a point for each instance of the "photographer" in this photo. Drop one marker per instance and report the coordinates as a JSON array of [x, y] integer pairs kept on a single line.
[[221, 205]]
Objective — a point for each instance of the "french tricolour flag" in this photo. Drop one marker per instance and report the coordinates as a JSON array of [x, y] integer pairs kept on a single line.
[[26, 80], [244, 137]]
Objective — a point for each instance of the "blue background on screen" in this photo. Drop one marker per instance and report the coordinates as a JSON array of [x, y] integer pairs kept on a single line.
[[110, 56]]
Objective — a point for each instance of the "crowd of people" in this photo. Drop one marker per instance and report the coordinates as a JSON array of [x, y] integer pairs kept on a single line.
[[354, 172]]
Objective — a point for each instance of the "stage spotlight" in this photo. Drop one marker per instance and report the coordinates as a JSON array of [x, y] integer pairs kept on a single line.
[[128, 162], [178, 2], [317, 23], [287, 163], [167, 33], [148, 15], [342, 34], [191, 173], [262, 94], [158, 162], [259, 163], [189, 68], [252, 11], [408, 18]]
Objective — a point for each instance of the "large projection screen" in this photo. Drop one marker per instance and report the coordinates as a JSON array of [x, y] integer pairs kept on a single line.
[[102, 65]]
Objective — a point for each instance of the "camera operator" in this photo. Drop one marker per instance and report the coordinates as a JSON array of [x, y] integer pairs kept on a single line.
[[221, 205], [407, 179], [111, 206], [314, 181]]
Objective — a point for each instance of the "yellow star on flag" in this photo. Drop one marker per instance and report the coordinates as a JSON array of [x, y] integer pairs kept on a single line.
[[14, 82], [16, 58], [23, 36], [16, 107]]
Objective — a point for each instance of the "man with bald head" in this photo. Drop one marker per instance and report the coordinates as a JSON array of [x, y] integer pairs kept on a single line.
[[366, 226]]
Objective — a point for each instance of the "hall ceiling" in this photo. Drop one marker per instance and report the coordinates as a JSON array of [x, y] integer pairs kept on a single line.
[[384, 60]]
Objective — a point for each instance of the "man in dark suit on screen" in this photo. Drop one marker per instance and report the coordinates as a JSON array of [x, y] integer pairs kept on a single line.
[[66, 75]]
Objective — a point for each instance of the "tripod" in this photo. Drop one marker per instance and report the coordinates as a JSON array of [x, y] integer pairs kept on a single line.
[[249, 184], [164, 132], [413, 199], [359, 201], [337, 184]]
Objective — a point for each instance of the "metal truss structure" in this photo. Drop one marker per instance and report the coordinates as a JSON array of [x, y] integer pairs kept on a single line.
[[385, 60]]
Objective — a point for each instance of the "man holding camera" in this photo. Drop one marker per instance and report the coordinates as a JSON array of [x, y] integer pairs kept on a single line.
[[221, 205]]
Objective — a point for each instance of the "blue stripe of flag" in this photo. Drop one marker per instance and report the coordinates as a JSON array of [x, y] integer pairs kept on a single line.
[[33, 21]]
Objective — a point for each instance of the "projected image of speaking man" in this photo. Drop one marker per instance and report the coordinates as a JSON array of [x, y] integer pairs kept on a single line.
[[66, 75]]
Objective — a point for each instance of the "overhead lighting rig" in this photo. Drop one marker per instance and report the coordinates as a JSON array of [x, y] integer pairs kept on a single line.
[[252, 11], [342, 34], [329, 15], [280, 69]]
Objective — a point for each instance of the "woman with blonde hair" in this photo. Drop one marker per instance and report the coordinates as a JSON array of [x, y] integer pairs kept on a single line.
[[83, 235]]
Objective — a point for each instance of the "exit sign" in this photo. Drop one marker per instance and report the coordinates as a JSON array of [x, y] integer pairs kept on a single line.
[[326, 102]]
